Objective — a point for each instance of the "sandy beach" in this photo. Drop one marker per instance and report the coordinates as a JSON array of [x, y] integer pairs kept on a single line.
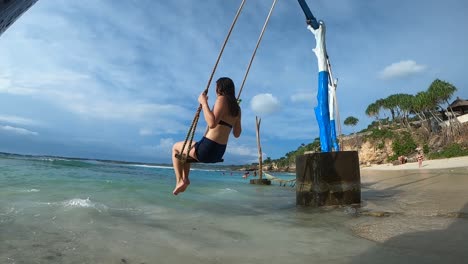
[[427, 164], [414, 210]]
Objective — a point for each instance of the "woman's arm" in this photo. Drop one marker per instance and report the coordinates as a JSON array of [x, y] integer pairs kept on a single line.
[[212, 117]]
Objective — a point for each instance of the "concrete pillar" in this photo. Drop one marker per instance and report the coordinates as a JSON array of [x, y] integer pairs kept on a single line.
[[328, 178]]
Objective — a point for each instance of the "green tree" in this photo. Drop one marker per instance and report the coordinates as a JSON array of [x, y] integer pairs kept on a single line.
[[351, 121], [422, 106], [314, 146], [373, 110], [403, 107], [403, 144], [441, 91], [390, 103]]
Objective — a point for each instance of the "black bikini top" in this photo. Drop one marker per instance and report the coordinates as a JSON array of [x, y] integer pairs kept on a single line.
[[221, 122]]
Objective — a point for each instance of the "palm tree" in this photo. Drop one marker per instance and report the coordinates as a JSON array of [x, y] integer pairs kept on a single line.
[[351, 121], [440, 92], [404, 103], [421, 106], [372, 110], [390, 103]]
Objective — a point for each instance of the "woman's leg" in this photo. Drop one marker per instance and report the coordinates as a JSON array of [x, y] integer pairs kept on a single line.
[[181, 170]]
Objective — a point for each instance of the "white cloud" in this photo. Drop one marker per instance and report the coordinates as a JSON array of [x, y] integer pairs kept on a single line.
[[18, 130], [242, 150], [163, 149], [105, 69], [242, 153], [8, 87], [165, 145], [401, 69], [303, 97], [264, 104], [146, 132], [17, 120], [123, 110], [87, 98]]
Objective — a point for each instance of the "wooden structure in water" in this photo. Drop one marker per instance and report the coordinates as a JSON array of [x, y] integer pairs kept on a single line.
[[260, 180], [328, 178]]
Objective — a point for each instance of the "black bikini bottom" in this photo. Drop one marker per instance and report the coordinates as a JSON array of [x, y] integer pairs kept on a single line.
[[208, 151]]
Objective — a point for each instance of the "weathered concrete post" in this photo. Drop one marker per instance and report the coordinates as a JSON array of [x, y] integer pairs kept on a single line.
[[328, 178]]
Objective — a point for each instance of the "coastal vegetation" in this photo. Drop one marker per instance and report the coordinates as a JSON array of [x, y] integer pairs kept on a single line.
[[403, 125]]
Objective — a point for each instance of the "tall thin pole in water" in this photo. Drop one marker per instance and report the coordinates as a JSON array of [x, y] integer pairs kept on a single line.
[[260, 156]]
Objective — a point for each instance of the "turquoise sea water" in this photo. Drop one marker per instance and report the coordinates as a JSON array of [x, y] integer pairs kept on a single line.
[[69, 211]]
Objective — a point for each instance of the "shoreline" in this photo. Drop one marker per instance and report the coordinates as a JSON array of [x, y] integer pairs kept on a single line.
[[448, 163], [433, 164]]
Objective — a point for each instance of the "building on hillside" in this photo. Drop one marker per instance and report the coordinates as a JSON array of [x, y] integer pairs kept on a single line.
[[459, 106], [11, 10], [458, 110]]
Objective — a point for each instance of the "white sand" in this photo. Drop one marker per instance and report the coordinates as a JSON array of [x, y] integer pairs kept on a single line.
[[427, 164], [423, 206]]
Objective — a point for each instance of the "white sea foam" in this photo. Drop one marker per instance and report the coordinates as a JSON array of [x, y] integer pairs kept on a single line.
[[78, 203], [200, 169], [226, 190], [31, 190], [83, 203], [51, 159], [11, 210], [150, 166]]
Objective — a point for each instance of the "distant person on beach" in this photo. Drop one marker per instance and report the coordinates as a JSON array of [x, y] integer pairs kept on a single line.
[[224, 117], [402, 159], [420, 158], [246, 174]]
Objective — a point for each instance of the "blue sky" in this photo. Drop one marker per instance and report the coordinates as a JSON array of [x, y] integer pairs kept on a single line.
[[120, 79]]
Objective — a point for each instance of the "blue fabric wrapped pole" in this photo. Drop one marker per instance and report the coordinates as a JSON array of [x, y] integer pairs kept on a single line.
[[322, 112]]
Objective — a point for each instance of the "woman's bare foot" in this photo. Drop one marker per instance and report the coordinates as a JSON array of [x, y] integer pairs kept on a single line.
[[181, 186]]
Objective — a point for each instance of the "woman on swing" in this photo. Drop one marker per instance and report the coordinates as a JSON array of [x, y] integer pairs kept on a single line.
[[225, 116]]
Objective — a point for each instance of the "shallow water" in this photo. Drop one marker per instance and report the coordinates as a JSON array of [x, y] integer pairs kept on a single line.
[[63, 211]]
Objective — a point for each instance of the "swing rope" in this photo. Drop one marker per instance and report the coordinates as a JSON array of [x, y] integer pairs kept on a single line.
[[256, 47], [183, 157], [334, 83], [193, 126]]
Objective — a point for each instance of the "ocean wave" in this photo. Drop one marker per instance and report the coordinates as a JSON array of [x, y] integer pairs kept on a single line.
[[83, 203], [210, 170], [30, 190], [50, 159], [67, 162], [150, 166], [9, 211], [226, 191]]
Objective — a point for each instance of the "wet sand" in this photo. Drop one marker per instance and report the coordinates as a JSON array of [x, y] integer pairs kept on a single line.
[[418, 212]]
